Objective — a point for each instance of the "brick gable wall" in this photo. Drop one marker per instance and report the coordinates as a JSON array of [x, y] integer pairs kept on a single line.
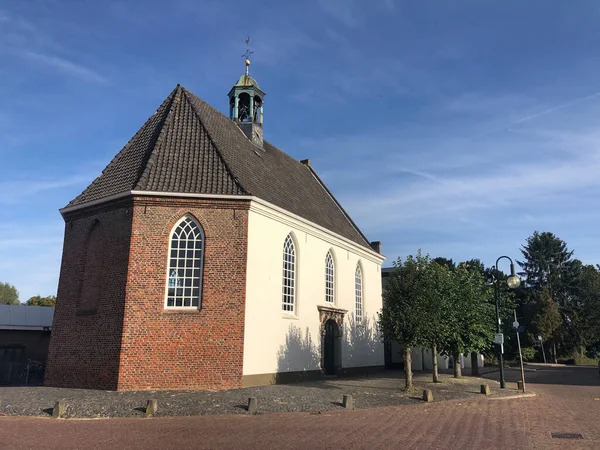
[[85, 343], [168, 349]]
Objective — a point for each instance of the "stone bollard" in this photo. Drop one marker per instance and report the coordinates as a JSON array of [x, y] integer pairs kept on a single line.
[[347, 402], [59, 409], [519, 385], [151, 408], [427, 396], [252, 405], [485, 389]]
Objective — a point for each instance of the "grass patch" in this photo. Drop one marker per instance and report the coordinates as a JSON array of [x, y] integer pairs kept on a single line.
[[585, 361]]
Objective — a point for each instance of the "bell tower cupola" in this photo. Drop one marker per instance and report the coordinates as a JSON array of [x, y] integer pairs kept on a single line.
[[246, 103]]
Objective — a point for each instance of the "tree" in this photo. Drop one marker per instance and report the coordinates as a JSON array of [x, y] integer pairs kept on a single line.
[[42, 301], [475, 265], [8, 294], [445, 262], [470, 314], [547, 319], [587, 321], [549, 264], [436, 305], [404, 316]]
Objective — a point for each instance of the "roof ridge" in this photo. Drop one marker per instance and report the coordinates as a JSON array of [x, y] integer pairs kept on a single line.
[[150, 160], [212, 140]]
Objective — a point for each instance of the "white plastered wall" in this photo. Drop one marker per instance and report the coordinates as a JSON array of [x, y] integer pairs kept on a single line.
[[278, 342]]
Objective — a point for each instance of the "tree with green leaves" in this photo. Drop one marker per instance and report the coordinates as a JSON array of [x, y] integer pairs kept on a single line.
[[8, 294], [587, 319], [546, 262], [436, 304], [547, 319], [549, 264], [475, 265], [41, 301], [471, 316], [404, 316]]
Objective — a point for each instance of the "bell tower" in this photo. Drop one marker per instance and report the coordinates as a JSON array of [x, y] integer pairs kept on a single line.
[[246, 105]]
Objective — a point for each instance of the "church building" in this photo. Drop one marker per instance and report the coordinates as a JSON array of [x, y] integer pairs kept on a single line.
[[203, 257]]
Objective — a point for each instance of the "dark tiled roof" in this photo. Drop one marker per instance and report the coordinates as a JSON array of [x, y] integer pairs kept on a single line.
[[188, 146]]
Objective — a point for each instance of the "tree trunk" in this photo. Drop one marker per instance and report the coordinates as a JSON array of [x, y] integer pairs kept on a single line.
[[457, 371], [554, 353], [407, 367], [474, 364], [434, 361]]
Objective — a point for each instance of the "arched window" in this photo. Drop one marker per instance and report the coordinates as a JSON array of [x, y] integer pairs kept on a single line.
[[329, 278], [358, 293], [93, 270], [289, 276], [186, 255]]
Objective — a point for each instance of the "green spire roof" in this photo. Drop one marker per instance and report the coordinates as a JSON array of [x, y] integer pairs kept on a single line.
[[247, 80]]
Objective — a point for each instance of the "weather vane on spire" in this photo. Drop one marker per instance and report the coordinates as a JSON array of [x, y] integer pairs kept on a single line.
[[247, 54]]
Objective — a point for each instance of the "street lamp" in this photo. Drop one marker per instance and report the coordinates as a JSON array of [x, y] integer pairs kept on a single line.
[[513, 282]]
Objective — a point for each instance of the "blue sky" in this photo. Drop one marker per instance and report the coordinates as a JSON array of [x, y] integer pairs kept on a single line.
[[457, 127]]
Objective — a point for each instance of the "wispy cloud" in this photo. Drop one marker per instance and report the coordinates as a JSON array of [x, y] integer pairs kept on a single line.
[[14, 191], [24, 39], [442, 181], [67, 67], [539, 114]]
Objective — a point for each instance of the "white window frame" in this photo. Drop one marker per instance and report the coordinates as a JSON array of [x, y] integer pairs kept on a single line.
[[200, 267], [359, 293], [289, 280], [329, 278]]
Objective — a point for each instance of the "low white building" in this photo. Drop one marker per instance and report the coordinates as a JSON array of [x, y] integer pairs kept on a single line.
[[24, 336]]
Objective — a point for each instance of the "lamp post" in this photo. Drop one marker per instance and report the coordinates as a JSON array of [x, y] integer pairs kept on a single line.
[[513, 282]]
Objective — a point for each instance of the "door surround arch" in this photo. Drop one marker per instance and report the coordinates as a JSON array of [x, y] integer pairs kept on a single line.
[[335, 315]]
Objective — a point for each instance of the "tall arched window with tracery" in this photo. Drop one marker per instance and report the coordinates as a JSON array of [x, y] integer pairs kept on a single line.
[[329, 278], [289, 276], [358, 292], [186, 257]]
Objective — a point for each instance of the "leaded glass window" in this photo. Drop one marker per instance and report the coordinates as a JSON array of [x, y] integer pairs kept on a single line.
[[329, 278], [186, 255], [289, 276], [358, 293]]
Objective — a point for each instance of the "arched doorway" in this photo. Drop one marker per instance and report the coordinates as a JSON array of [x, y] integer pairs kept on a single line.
[[330, 347]]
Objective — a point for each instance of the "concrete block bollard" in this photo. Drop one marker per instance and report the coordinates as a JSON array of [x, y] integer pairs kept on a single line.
[[59, 409], [485, 389], [520, 385], [252, 405], [151, 408], [427, 396], [347, 402]]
